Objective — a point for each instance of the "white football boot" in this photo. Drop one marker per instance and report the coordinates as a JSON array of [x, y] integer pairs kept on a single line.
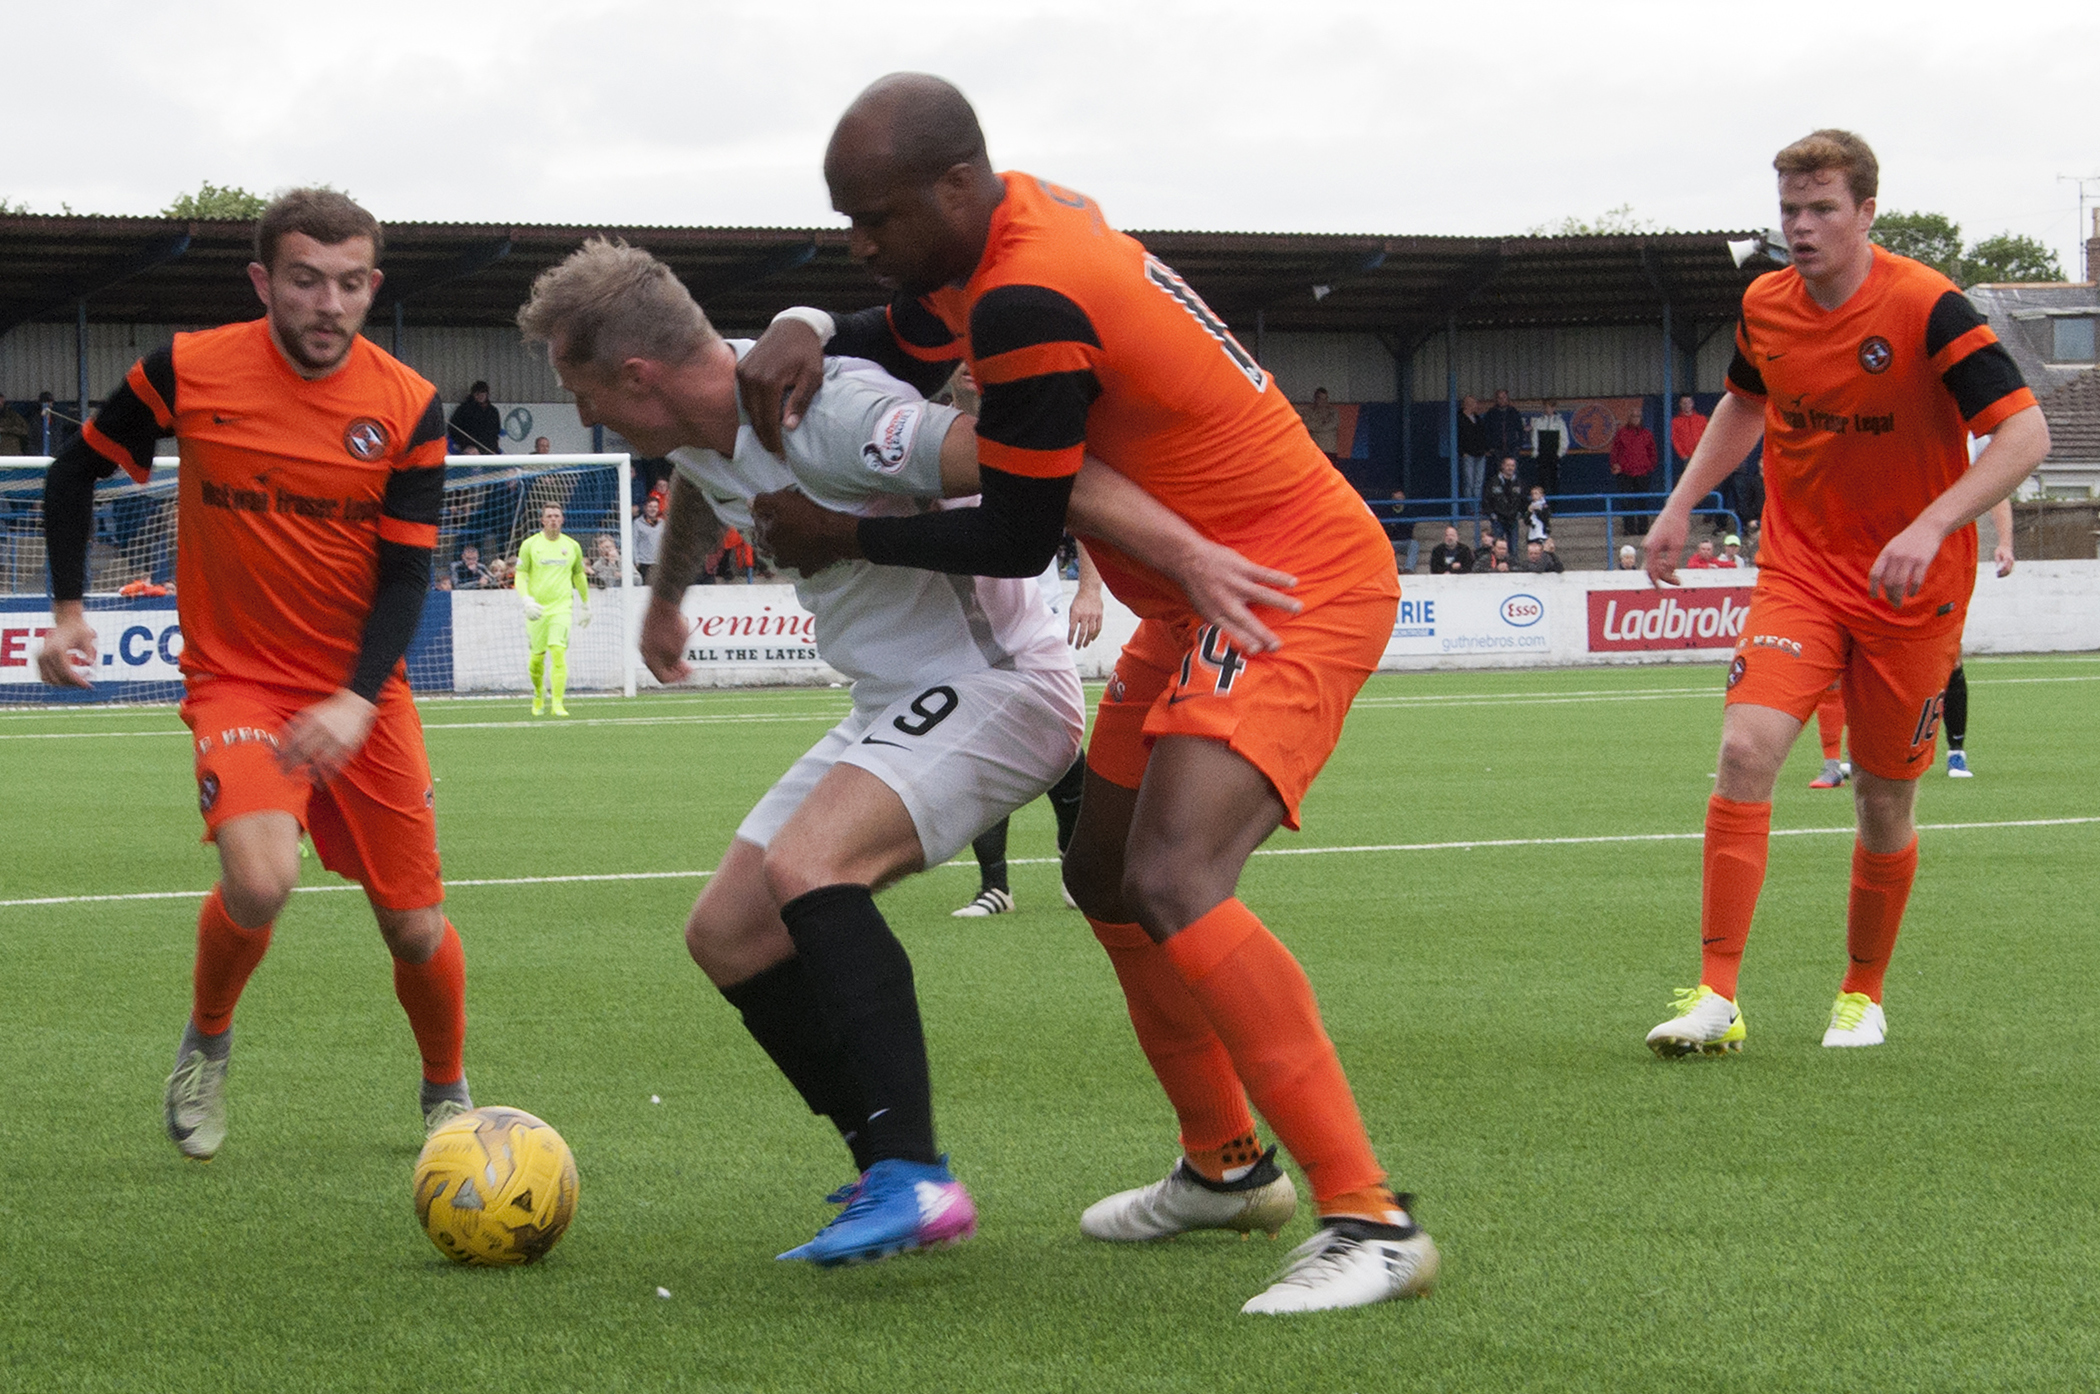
[[990, 901], [1352, 1263], [1856, 1020], [1706, 1023], [1264, 1199], [196, 1105]]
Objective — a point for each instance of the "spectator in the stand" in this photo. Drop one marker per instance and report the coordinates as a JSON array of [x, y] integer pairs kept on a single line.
[[736, 560], [1550, 437], [1450, 557], [1503, 500], [1731, 552], [603, 568], [476, 427], [542, 446], [1552, 556], [1400, 531], [1538, 516], [1500, 555], [48, 423], [1745, 489], [468, 574], [1633, 457], [1472, 448], [648, 536], [1702, 557], [1628, 557], [1537, 558], [503, 571], [14, 430], [1753, 533], [1323, 421], [1685, 428], [1505, 432]]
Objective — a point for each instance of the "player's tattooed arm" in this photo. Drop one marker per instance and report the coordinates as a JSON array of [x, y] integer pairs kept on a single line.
[[691, 531], [1221, 585]]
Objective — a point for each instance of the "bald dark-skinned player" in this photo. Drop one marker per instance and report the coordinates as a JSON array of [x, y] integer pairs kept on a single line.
[[1083, 344]]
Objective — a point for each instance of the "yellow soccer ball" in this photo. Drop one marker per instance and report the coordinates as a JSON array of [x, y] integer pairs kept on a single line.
[[495, 1186]]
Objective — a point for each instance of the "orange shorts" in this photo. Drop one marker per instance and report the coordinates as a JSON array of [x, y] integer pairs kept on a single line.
[[375, 823], [1282, 712], [1794, 647]]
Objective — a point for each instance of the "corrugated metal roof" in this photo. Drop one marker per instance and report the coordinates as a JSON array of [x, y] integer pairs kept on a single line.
[[156, 270]]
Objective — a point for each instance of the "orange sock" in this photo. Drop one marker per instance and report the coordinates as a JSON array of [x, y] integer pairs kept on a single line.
[[1261, 1006], [1830, 723], [226, 955], [434, 994], [1880, 889], [1738, 837], [1219, 1163], [1186, 1055]]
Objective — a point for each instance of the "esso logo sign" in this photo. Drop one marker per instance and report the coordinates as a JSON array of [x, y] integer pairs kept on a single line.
[[1522, 611]]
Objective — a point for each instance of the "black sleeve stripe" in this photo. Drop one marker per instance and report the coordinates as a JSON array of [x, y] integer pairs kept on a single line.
[[159, 368], [417, 495], [129, 423], [431, 427], [69, 515], [1047, 412], [918, 326], [1743, 375], [1952, 316], [1006, 318], [866, 334], [397, 608], [1985, 377]]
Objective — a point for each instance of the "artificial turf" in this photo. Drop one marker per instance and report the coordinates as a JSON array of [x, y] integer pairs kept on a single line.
[[1921, 1216]]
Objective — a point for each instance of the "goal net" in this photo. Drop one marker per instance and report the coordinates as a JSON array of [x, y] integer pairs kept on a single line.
[[472, 636]]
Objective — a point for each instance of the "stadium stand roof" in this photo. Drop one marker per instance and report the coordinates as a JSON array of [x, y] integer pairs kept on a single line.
[[153, 270]]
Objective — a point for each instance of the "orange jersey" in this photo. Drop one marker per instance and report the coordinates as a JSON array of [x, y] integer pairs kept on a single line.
[[1084, 343], [1867, 410], [288, 488]]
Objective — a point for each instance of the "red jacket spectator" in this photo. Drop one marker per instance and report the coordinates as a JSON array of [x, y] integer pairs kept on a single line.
[[1685, 428], [1633, 451]]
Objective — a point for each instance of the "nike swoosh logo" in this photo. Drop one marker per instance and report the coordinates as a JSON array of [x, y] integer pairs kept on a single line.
[[1720, 939], [1775, 357], [870, 740], [218, 420], [1857, 959], [1186, 697]]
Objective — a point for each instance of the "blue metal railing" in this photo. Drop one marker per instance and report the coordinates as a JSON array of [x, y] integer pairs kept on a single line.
[[1467, 515]]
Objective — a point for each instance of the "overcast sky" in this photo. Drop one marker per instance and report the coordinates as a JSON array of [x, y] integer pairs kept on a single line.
[[1324, 115]]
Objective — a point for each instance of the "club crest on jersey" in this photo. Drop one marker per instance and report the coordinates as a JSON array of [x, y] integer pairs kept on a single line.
[[894, 434], [207, 792], [1736, 670], [1875, 355], [365, 438]]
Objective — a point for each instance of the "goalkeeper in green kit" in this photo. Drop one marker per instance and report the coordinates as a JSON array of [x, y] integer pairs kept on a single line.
[[550, 568]]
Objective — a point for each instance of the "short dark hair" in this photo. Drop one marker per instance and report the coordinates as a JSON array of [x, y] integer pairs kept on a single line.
[[325, 215], [1833, 149]]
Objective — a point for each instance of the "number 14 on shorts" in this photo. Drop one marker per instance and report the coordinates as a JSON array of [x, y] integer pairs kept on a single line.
[[1210, 668]]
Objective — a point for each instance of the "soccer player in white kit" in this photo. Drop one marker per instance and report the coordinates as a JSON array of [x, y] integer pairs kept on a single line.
[[965, 707]]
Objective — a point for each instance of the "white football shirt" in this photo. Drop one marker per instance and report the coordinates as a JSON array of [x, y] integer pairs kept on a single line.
[[871, 446]]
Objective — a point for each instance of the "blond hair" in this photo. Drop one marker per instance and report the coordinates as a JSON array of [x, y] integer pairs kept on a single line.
[[608, 302], [1833, 149]]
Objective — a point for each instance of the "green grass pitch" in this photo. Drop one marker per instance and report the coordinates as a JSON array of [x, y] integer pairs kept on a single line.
[[1919, 1217]]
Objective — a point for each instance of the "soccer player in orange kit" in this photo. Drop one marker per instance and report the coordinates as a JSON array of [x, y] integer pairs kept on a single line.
[[1865, 372], [1085, 345], [313, 471]]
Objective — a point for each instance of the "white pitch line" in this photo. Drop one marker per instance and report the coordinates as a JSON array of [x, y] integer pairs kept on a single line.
[[1051, 861]]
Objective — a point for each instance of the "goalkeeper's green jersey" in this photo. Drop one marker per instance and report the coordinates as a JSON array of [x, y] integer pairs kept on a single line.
[[550, 572]]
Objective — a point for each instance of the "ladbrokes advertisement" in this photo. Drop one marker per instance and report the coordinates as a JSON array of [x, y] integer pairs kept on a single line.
[[1622, 621]]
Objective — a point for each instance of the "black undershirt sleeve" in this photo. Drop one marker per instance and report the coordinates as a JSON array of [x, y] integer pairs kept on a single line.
[[69, 515], [1013, 531], [879, 334], [397, 608]]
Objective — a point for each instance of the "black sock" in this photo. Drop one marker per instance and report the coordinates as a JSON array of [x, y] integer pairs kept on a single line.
[[1064, 801], [785, 1015], [990, 847], [864, 978], [1954, 708]]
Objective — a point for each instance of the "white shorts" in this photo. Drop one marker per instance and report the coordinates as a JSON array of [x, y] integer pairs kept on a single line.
[[962, 754]]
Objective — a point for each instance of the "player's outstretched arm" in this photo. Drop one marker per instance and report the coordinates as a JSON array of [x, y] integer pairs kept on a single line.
[[691, 531], [1221, 585], [1737, 423], [2002, 525], [2018, 444]]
